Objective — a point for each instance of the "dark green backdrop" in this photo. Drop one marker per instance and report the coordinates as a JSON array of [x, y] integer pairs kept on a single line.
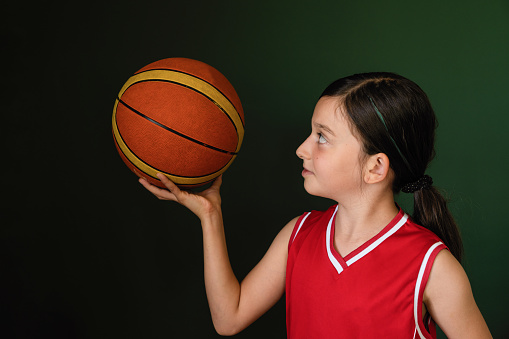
[[85, 252]]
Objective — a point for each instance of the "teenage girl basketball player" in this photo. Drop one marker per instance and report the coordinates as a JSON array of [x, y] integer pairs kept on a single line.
[[363, 268]]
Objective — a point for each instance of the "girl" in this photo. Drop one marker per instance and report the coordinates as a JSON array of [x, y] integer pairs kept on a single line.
[[363, 268]]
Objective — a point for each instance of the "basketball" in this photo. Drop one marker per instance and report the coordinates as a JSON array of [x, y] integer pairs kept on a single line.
[[180, 117]]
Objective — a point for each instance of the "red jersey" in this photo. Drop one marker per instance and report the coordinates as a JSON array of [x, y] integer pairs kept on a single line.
[[374, 292]]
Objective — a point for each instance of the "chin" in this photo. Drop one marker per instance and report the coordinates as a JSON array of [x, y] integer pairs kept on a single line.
[[312, 190]]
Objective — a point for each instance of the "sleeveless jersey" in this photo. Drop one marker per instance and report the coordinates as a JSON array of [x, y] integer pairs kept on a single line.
[[374, 292]]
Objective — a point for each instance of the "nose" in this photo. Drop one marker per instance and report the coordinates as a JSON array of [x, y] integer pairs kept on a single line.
[[303, 150]]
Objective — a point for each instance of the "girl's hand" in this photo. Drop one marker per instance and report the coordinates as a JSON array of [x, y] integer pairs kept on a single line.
[[203, 204]]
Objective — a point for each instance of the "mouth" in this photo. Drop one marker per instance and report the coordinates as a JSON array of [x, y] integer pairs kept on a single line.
[[306, 172]]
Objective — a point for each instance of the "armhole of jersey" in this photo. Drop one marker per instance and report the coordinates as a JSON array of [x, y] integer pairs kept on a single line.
[[422, 280], [297, 227]]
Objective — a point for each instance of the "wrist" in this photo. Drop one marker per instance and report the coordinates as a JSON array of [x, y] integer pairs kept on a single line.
[[212, 219]]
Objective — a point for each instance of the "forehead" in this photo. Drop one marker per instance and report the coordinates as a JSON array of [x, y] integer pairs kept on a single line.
[[329, 112]]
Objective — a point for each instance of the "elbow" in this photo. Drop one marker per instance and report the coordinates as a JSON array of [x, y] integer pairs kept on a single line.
[[226, 333], [226, 330]]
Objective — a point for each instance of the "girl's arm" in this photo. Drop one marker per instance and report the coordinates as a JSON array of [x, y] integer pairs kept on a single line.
[[449, 299], [233, 305]]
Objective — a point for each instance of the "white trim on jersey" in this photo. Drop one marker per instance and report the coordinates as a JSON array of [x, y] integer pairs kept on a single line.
[[418, 287], [371, 247], [300, 225], [332, 259], [364, 252]]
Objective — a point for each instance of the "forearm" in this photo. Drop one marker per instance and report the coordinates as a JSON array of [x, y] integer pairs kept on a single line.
[[222, 287]]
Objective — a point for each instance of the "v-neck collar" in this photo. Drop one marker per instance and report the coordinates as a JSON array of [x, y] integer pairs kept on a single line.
[[341, 263]]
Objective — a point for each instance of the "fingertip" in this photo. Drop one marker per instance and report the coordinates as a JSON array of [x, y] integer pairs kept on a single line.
[[170, 185]]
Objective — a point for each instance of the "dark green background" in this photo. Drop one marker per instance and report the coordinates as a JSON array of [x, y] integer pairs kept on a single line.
[[85, 252]]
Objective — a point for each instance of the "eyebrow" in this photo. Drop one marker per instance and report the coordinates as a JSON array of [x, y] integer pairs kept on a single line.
[[324, 127]]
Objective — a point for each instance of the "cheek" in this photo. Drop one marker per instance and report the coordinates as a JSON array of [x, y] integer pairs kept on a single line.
[[342, 167]]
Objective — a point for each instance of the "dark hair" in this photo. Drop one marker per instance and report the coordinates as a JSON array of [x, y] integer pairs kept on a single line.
[[408, 118]]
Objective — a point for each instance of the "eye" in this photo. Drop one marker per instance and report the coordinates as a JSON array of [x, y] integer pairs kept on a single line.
[[321, 139]]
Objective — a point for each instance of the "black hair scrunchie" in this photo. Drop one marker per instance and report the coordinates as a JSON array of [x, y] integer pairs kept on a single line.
[[425, 182]]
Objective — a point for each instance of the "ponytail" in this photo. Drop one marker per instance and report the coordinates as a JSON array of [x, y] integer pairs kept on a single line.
[[430, 211]]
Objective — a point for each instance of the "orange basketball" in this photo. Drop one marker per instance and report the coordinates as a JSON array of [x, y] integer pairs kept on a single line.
[[180, 117]]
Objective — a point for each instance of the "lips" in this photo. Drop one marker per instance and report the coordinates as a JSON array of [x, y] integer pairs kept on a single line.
[[306, 172]]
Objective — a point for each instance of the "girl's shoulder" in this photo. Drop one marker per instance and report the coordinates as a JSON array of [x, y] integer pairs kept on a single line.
[[316, 216], [421, 232], [312, 219]]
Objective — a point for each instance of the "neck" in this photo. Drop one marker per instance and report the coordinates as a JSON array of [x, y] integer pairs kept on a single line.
[[364, 218]]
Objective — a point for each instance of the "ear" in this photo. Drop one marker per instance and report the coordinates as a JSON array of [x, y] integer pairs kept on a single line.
[[377, 168]]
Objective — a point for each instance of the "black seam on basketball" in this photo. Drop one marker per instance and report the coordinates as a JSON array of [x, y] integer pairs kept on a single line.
[[197, 77], [194, 89], [174, 131], [148, 165]]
